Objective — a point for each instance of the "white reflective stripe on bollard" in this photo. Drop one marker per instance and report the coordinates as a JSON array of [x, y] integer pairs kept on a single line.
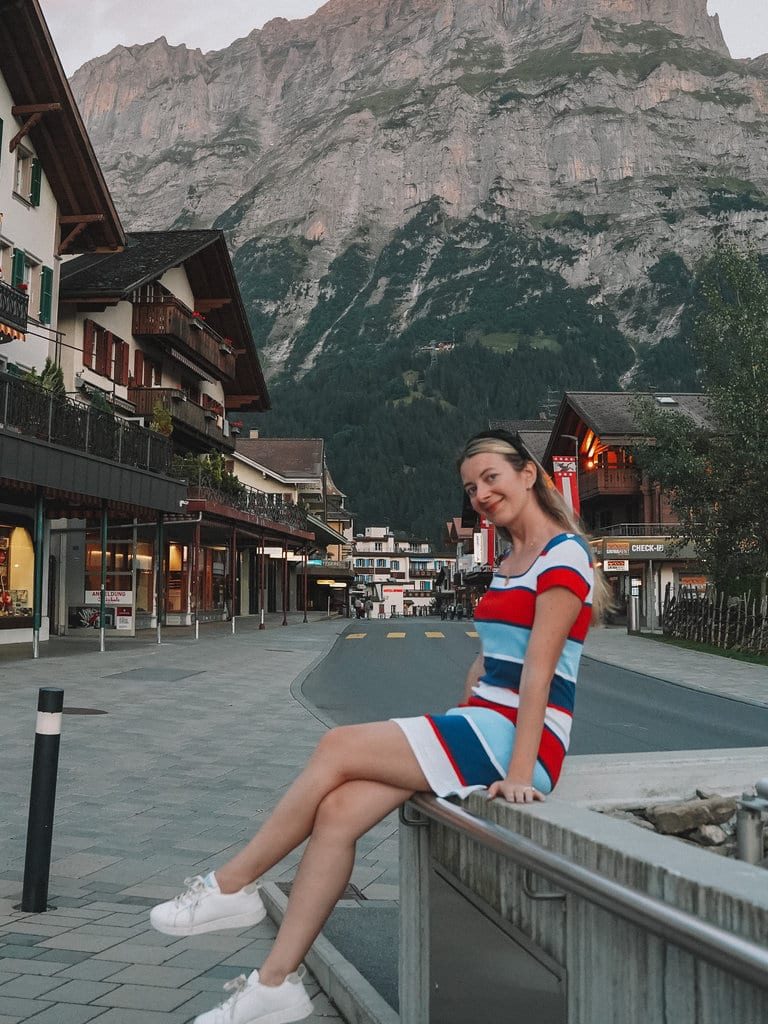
[[48, 723]]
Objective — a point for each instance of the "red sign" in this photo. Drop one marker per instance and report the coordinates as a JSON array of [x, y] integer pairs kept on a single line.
[[566, 474]]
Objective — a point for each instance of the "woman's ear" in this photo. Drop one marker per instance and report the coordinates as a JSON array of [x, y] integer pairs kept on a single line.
[[529, 474]]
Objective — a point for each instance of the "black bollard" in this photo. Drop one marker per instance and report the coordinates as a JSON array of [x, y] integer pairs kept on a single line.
[[42, 798]]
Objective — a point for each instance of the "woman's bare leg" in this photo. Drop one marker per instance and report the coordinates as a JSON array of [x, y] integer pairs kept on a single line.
[[378, 752], [343, 816]]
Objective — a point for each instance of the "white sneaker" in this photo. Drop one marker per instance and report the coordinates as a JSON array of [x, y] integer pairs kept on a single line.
[[254, 1003], [203, 907]]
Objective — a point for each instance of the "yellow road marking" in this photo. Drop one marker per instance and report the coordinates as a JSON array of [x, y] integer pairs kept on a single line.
[[395, 636], [472, 632], [356, 636], [435, 636]]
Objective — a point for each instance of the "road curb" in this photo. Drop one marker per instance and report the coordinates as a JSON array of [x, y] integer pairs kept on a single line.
[[355, 998], [296, 687]]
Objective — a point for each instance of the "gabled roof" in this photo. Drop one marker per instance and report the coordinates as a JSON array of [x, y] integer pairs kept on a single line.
[[205, 258], [612, 415], [291, 457], [33, 73]]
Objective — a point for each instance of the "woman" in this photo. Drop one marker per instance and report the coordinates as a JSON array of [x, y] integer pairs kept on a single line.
[[510, 735]]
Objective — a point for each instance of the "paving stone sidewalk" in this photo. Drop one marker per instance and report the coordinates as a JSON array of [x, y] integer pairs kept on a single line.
[[198, 741], [711, 673]]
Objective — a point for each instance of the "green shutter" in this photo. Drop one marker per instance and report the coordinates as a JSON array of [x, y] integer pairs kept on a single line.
[[37, 180], [46, 294], [17, 269]]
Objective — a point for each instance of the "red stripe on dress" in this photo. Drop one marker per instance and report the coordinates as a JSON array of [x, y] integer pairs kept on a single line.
[[562, 576], [580, 628], [515, 607], [551, 754], [446, 750]]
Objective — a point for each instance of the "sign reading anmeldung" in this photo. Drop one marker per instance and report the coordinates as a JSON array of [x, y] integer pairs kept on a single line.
[[124, 597]]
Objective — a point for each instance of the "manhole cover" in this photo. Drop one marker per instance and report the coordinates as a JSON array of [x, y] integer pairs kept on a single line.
[[155, 675], [350, 893], [84, 711]]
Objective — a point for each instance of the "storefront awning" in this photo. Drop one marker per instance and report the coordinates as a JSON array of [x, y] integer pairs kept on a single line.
[[8, 334]]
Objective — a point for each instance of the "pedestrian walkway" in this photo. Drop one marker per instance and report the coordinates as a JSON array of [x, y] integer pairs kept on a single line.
[[724, 677], [170, 756]]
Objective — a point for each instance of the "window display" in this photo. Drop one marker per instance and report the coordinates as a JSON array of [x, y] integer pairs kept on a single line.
[[17, 572]]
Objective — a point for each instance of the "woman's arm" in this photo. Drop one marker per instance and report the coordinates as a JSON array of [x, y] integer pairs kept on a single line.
[[473, 676], [556, 612]]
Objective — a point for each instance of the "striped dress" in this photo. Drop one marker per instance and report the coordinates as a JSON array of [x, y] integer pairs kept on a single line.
[[470, 747]]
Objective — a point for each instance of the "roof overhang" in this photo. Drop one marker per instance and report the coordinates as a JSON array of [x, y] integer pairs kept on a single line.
[[32, 70]]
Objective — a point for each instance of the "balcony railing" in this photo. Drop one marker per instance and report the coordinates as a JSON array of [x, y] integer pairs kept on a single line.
[[599, 481], [14, 304], [255, 503], [36, 412], [423, 574], [169, 319], [636, 530], [186, 413]]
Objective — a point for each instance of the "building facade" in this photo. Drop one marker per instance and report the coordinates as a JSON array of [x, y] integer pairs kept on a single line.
[[398, 574]]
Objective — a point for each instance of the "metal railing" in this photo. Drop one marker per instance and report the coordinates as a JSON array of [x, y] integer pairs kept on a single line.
[[636, 530], [729, 952], [36, 412], [255, 503]]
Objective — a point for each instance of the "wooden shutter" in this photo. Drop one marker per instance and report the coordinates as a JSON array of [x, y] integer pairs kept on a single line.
[[101, 350], [36, 184], [124, 354], [109, 355], [88, 343], [17, 268], [138, 367], [46, 294]]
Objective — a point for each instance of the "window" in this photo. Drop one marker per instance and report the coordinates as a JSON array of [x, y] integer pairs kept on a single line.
[[378, 546], [394, 564], [104, 353], [359, 563], [28, 177], [381, 563], [147, 373]]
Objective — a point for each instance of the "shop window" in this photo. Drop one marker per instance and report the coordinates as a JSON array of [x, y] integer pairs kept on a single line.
[[145, 576], [177, 578], [119, 570], [17, 572]]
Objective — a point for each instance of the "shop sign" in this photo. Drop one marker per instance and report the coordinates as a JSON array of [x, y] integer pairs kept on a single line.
[[650, 547], [124, 618], [616, 565], [124, 597], [393, 590]]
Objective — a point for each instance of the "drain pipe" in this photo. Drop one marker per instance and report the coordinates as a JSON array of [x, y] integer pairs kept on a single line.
[[751, 820]]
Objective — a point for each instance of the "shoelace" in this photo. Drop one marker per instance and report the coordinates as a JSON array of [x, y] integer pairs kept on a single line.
[[236, 986], [194, 892]]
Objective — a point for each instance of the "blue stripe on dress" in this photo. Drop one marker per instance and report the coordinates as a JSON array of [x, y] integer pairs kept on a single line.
[[469, 755], [503, 639], [499, 733]]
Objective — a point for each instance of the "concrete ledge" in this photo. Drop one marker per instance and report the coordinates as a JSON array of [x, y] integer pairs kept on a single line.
[[616, 780], [356, 999]]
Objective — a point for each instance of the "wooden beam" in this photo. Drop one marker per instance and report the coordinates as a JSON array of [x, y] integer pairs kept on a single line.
[[77, 230], [82, 218], [25, 129], [21, 110], [206, 305]]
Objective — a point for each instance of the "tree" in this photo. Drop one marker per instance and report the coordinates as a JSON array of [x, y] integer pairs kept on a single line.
[[716, 475]]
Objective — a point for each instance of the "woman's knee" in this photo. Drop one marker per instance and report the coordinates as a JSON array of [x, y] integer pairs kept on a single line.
[[335, 814], [335, 743]]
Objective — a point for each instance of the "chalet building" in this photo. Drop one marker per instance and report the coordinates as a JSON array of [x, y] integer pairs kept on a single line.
[[629, 516], [400, 574], [160, 337], [58, 458], [296, 468]]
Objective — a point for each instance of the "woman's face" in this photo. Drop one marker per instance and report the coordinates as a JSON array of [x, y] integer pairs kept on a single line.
[[496, 489]]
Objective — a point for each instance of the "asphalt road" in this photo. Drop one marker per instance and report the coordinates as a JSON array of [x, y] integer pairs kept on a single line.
[[617, 711]]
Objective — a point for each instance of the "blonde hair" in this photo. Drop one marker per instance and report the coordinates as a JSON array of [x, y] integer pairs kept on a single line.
[[550, 500]]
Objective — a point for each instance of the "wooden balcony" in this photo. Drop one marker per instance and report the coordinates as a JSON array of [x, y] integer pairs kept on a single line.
[[598, 482], [168, 320], [423, 574], [188, 417]]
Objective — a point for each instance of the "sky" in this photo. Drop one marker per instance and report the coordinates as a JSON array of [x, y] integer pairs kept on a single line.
[[84, 30]]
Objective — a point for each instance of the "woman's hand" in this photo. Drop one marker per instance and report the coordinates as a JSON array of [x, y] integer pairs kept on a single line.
[[514, 791]]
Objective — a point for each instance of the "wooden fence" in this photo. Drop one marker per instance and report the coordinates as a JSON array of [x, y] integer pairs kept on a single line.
[[709, 617]]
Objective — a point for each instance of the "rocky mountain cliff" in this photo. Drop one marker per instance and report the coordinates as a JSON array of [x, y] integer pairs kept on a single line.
[[528, 183]]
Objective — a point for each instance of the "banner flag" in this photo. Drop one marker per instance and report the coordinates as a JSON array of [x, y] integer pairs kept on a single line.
[[566, 474]]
